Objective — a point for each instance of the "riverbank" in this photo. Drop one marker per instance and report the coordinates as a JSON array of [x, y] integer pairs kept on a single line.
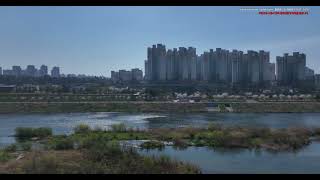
[[137, 106], [110, 159], [61, 154]]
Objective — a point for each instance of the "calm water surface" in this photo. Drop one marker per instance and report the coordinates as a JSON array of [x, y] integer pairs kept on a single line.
[[228, 161]]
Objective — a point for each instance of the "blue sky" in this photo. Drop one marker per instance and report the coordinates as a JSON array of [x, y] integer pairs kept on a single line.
[[96, 40]]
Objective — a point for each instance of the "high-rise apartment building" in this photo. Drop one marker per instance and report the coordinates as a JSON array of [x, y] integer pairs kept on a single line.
[[253, 66], [17, 71], [170, 65], [309, 74], [235, 58], [43, 71], [55, 72], [269, 71], [31, 71], [291, 68], [8, 72], [114, 76], [124, 75], [224, 66], [206, 71], [146, 70], [137, 74], [192, 64], [317, 81], [215, 66]]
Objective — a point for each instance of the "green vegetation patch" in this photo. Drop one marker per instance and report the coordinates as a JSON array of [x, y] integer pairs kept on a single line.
[[82, 129], [26, 146], [152, 145], [236, 137], [98, 157], [60, 142], [27, 133], [4, 156], [118, 127]]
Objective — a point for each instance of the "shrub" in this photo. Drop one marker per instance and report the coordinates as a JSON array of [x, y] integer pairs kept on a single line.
[[87, 162], [188, 132], [23, 133], [163, 159], [316, 131], [90, 139], [11, 148], [291, 141], [61, 143], [39, 164], [104, 150], [256, 142], [42, 132], [215, 138], [222, 107], [54, 162], [26, 146], [152, 145], [299, 131], [4, 156], [164, 164], [260, 132], [118, 127], [180, 144], [98, 129], [122, 160], [82, 129], [214, 127]]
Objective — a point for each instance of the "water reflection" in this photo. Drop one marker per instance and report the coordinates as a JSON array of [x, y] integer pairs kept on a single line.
[[221, 160]]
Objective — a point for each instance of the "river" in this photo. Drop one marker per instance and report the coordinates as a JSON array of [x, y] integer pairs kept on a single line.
[[209, 160]]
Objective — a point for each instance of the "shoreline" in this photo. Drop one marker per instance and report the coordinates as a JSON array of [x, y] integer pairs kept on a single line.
[[160, 107]]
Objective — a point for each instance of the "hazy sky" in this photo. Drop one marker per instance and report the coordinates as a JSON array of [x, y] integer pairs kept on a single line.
[[96, 40]]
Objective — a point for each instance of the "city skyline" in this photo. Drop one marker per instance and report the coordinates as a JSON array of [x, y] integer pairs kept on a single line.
[[97, 40], [43, 70], [224, 66], [31, 70]]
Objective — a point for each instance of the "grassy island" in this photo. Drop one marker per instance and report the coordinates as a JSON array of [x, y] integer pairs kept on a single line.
[[96, 150]]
